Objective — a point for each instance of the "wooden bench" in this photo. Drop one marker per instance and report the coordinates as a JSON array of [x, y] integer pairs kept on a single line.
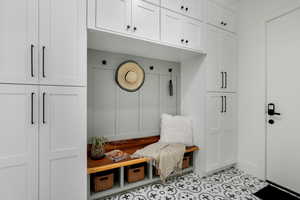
[[128, 146]]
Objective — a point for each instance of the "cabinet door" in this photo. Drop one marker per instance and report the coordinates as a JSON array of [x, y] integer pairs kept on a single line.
[[145, 20], [62, 42], [114, 15], [18, 39], [213, 131], [62, 142], [193, 8], [214, 14], [171, 28], [229, 60], [229, 18], [213, 64], [229, 133], [175, 5], [192, 33], [18, 142]]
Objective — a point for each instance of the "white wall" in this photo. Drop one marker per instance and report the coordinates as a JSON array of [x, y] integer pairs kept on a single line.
[[118, 114], [252, 83]]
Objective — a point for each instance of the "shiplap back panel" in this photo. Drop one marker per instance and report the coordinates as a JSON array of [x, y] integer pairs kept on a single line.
[[118, 114]]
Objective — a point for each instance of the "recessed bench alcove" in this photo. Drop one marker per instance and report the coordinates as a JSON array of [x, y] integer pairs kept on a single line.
[[129, 146]]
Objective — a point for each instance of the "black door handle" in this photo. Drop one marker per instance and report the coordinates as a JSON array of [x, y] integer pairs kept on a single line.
[[225, 73], [222, 74], [32, 118], [43, 61], [31, 60], [225, 98], [222, 99], [44, 97], [271, 109]]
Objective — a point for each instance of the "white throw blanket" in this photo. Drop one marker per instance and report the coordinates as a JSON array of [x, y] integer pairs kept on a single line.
[[167, 157]]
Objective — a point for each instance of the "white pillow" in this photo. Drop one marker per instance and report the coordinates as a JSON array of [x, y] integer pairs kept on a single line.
[[176, 129]]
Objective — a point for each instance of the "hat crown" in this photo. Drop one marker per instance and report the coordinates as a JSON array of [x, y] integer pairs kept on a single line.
[[131, 77]]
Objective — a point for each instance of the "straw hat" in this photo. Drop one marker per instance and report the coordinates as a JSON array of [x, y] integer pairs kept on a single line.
[[130, 76]]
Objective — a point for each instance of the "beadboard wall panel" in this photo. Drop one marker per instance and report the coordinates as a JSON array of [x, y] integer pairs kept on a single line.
[[118, 114]]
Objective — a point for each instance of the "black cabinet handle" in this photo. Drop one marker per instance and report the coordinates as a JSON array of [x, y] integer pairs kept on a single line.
[[44, 97], [43, 61], [182, 7], [222, 74], [186, 9], [31, 60], [32, 117], [225, 79], [134, 28], [186, 41], [182, 40], [128, 27], [222, 99], [222, 23], [225, 24], [225, 98]]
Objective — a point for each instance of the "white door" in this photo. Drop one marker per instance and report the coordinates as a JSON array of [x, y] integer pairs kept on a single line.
[[229, 131], [62, 142], [145, 20], [192, 33], [172, 28], [214, 115], [18, 39], [228, 61], [283, 47], [62, 42], [18, 142], [114, 15], [215, 76]]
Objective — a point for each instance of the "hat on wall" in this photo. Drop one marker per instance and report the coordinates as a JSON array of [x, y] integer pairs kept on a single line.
[[130, 76]]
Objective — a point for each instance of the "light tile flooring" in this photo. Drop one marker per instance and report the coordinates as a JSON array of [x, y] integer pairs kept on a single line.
[[230, 184]]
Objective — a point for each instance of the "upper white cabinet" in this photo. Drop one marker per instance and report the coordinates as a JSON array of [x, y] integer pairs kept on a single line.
[[61, 31], [180, 30], [114, 15], [136, 17], [18, 39], [18, 142], [145, 20], [191, 8], [62, 42], [221, 60], [221, 17], [221, 134]]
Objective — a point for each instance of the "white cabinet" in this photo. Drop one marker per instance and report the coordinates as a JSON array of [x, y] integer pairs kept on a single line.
[[135, 17], [114, 15], [221, 60], [62, 143], [62, 42], [180, 30], [43, 145], [221, 134], [18, 39], [18, 142], [221, 17], [190, 8], [145, 20]]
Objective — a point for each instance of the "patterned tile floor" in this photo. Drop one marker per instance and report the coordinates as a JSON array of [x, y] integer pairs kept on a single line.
[[230, 184]]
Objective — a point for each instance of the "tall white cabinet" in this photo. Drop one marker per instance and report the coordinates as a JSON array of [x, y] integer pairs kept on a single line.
[[43, 108], [221, 84]]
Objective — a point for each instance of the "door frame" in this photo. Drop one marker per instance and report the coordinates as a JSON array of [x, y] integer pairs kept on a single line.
[[270, 18]]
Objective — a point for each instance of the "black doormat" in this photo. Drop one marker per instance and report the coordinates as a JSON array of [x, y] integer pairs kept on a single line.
[[272, 193]]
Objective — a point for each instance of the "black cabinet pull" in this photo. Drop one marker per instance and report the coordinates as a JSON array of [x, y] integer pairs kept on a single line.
[[222, 74], [182, 40], [182, 7], [44, 97], [31, 60], [225, 98], [134, 28], [222, 99], [43, 61], [128, 27], [186, 9], [225, 79], [186, 41], [225, 24], [222, 23], [32, 118]]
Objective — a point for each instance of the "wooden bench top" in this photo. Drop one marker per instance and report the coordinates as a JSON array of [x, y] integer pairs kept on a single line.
[[128, 146]]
